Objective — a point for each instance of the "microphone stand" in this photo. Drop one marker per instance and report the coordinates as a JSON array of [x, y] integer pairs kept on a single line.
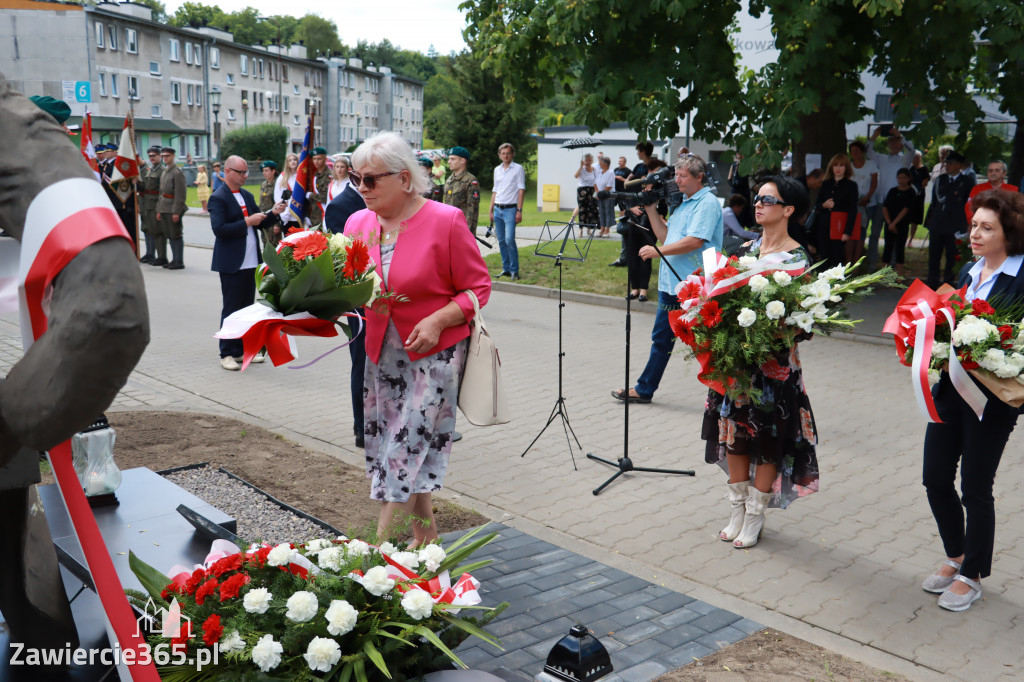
[[624, 464]]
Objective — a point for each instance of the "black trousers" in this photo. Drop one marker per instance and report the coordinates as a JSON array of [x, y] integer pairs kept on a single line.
[[237, 290], [977, 446], [639, 269], [893, 253], [937, 244], [357, 351]]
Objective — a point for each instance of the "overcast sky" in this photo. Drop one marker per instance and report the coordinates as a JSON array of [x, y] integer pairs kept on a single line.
[[409, 24]]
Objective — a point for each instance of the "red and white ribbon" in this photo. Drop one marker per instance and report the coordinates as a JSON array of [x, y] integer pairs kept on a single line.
[[714, 261], [260, 326], [465, 591]]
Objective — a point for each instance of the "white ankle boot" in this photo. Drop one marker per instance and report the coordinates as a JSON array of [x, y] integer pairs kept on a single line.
[[753, 519], [738, 500]]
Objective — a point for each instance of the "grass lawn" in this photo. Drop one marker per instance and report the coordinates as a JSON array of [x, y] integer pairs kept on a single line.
[[593, 276]]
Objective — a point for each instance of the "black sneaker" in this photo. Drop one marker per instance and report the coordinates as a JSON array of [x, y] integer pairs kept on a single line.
[[503, 273], [616, 264], [515, 277], [159, 262]]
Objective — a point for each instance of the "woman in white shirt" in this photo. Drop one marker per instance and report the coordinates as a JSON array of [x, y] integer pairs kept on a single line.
[[606, 207], [340, 181], [284, 182], [585, 200]]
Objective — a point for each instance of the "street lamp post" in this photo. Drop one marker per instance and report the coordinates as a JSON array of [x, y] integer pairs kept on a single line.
[[215, 108], [245, 113]]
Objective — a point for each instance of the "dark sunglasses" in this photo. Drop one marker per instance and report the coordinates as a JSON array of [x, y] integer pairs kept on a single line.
[[369, 181], [245, 172], [766, 200]]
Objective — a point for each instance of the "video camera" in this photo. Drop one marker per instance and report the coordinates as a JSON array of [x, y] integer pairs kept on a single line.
[[660, 184]]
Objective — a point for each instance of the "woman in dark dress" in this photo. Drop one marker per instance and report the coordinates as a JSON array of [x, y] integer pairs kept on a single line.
[[838, 193], [768, 450], [997, 240], [896, 211]]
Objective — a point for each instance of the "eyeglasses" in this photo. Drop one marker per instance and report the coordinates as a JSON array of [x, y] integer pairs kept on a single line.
[[766, 200], [245, 172], [370, 181]]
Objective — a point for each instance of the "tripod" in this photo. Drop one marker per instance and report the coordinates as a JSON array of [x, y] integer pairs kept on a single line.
[[559, 409], [624, 464]]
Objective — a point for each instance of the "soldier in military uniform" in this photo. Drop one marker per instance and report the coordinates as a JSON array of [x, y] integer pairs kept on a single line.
[[317, 200], [462, 189], [170, 209], [149, 193], [271, 233]]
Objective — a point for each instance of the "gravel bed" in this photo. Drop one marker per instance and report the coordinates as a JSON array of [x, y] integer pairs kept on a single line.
[[258, 518]]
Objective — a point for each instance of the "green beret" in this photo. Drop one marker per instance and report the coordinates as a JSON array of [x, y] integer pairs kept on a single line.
[[426, 163], [459, 151], [60, 111], [268, 164], [319, 151]]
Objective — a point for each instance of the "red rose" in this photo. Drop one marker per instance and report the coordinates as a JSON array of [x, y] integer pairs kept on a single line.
[[312, 244], [711, 313], [229, 588], [357, 258], [212, 630], [981, 307], [205, 590], [228, 563]]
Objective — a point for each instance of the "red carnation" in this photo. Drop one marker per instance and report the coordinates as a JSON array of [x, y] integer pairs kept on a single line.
[[205, 590], [724, 273], [179, 644], [312, 244], [711, 313], [981, 307], [212, 630], [177, 586], [197, 577], [357, 258], [259, 557], [229, 588], [228, 563]]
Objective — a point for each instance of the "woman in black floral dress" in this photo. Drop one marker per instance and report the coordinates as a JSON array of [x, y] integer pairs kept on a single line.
[[768, 449]]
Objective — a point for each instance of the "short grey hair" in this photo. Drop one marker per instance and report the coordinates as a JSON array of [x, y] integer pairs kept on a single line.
[[389, 151], [692, 164], [507, 144], [999, 161]]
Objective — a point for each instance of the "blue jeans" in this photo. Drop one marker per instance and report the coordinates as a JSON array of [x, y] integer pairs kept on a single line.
[[505, 230], [662, 340]]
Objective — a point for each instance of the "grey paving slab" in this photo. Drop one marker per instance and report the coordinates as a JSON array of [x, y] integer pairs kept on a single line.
[[868, 533]]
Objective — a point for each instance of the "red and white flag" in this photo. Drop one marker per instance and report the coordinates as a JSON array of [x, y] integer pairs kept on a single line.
[[88, 151], [126, 165]]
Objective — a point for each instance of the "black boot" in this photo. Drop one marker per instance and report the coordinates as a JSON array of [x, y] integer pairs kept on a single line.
[[161, 251], [177, 254]]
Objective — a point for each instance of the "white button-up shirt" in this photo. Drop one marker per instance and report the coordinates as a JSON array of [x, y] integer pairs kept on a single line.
[[508, 182], [1010, 266]]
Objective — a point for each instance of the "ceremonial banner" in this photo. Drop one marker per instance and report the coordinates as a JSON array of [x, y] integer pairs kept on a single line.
[[88, 151], [304, 177]]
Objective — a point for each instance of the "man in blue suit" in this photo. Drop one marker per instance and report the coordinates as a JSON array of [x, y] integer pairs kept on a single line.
[[235, 220]]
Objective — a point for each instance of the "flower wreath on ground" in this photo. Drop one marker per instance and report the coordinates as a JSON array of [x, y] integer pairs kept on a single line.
[[309, 284], [321, 610], [749, 308]]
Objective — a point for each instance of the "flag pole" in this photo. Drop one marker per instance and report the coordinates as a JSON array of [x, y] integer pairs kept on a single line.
[[135, 183]]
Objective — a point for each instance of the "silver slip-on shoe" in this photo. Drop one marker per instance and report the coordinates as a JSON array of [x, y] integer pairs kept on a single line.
[[937, 584], [952, 601]]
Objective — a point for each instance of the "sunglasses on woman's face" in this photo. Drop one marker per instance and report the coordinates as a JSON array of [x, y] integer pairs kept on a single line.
[[766, 200], [368, 181]]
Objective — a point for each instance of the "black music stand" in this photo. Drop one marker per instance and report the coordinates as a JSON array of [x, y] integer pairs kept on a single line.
[[562, 236], [624, 464]]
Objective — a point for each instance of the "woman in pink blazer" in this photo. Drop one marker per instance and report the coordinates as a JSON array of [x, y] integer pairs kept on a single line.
[[416, 346]]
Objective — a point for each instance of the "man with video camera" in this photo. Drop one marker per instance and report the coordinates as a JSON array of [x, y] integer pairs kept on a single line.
[[694, 226]]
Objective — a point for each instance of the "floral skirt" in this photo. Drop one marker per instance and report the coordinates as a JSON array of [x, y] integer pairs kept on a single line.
[[588, 206], [409, 411], [781, 431]]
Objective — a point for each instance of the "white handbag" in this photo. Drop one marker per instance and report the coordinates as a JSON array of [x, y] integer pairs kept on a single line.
[[482, 393]]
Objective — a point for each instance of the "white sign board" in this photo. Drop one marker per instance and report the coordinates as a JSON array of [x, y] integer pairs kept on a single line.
[[76, 91]]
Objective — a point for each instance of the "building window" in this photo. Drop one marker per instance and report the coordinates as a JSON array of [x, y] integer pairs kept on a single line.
[[188, 53], [286, 104], [188, 91], [99, 34], [245, 99], [260, 63], [113, 86], [244, 64], [131, 41], [295, 89], [175, 92], [112, 34], [214, 57], [196, 140], [175, 46], [133, 87], [231, 114], [231, 79], [103, 84], [155, 111], [154, 68], [295, 120], [181, 145], [284, 72], [307, 77], [197, 54]]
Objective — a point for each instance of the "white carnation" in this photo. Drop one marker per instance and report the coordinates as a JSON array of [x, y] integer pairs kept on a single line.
[[314, 547], [231, 643], [782, 278], [407, 559], [331, 558], [418, 604], [357, 548], [257, 600], [940, 350], [933, 376], [775, 309], [432, 556], [972, 330], [280, 555], [339, 242], [322, 653], [267, 653], [341, 617], [377, 582], [746, 317], [342, 538], [387, 548], [758, 283], [746, 261], [992, 360], [302, 606]]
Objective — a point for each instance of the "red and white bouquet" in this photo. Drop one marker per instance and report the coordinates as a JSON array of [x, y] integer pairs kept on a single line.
[[308, 284], [736, 313], [322, 610]]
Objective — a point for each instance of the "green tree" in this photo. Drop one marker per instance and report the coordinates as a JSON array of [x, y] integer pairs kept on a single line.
[[470, 116], [319, 35], [159, 10], [260, 142], [282, 26], [247, 28], [197, 14]]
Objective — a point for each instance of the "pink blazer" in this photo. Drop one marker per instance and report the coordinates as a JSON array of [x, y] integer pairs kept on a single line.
[[435, 259]]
